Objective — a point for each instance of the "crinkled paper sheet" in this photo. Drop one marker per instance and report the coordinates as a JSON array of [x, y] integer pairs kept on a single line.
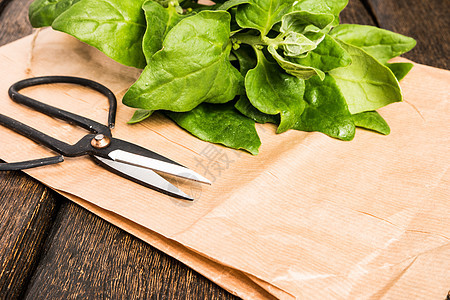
[[310, 217]]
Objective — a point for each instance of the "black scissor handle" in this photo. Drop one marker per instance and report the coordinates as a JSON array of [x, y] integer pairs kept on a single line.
[[52, 111], [29, 164], [82, 147]]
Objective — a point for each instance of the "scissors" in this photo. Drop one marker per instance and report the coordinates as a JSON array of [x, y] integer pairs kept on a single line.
[[123, 158]]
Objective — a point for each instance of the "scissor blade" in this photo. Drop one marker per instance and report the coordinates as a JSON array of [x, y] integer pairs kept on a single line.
[[142, 176], [156, 165]]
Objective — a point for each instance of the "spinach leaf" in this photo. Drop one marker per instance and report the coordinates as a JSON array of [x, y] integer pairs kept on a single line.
[[400, 70], [301, 32], [300, 21], [326, 110], [293, 68], [232, 3], [140, 115], [274, 92], [221, 124], [160, 21], [373, 121], [366, 84], [248, 110], [296, 44], [262, 14], [114, 27], [333, 7], [381, 44], [191, 68], [328, 55], [43, 12]]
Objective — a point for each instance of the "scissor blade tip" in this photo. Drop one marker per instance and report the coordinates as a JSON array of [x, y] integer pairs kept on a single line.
[[197, 177]]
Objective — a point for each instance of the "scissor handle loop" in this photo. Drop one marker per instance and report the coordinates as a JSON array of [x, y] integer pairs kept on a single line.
[[49, 110]]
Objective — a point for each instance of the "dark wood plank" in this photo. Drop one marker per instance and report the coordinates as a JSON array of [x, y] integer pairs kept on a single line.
[[87, 258], [27, 208], [356, 13], [426, 21], [14, 20], [3, 4], [27, 211]]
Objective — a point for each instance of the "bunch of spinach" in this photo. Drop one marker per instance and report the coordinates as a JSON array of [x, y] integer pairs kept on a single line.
[[216, 70]]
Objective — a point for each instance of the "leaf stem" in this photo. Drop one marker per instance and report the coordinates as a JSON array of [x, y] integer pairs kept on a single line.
[[242, 38]]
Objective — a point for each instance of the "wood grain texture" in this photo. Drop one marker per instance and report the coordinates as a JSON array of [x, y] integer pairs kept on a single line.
[[27, 211], [87, 258], [355, 13], [426, 21], [14, 22], [27, 208]]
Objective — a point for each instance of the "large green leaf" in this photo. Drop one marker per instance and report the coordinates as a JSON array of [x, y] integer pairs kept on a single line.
[[114, 27], [328, 55], [160, 21], [326, 110], [262, 14], [192, 67], [381, 44], [400, 70], [366, 84], [274, 92], [248, 110], [373, 121], [221, 124], [43, 12], [333, 7]]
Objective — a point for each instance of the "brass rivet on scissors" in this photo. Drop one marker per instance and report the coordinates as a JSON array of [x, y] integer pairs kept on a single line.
[[100, 141]]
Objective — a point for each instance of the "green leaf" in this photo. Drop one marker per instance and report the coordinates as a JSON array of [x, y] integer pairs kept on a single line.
[[232, 3], [160, 21], [140, 115], [300, 21], [114, 27], [192, 67], [373, 121], [262, 14], [43, 12], [296, 44], [333, 7], [293, 68], [221, 124], [326, 110], [248, 110], [400, 70], [366, 84], [381, 44], [274, 92], [328, 55]]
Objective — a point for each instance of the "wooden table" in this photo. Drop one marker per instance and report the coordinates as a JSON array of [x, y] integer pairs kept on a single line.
[[52, 248]]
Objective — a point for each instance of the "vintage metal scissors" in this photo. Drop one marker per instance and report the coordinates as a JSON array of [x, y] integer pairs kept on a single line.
[[123, 158]]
